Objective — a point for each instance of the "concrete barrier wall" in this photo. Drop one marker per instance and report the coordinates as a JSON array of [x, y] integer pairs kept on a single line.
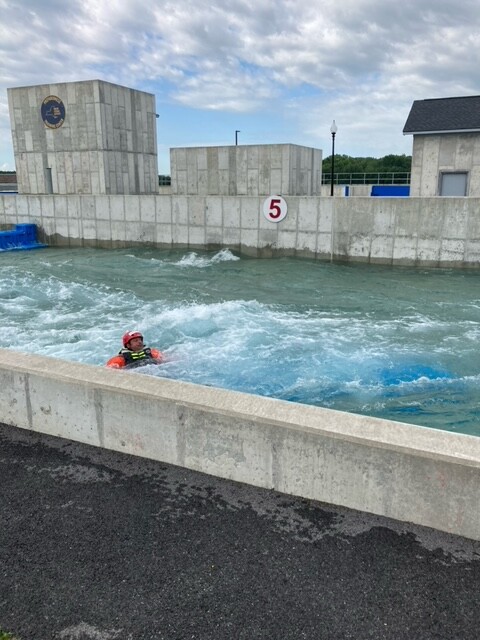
[[405, 472], [410, 231]]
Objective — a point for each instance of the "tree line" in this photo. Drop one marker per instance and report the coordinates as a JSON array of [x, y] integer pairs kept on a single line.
[[349, 164]]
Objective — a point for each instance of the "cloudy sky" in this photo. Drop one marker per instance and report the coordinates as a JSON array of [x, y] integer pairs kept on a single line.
[[276, 70]]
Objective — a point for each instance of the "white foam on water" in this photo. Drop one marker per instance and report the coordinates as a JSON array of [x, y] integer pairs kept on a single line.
[[192, 259]]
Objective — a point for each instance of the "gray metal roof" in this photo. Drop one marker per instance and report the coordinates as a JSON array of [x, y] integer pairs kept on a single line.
[[444, 115]]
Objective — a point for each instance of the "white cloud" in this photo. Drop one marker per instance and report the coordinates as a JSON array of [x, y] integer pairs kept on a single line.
[[360, 61]]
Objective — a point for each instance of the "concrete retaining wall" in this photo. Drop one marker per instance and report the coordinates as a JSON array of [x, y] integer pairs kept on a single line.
[[411, 231], [405, 472]]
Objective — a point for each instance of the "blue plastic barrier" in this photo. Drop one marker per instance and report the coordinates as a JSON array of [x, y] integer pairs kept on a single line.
[[21, 238], [390, 190]]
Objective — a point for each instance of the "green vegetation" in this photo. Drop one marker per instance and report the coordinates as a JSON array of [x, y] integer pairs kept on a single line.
[[388, 170], [4, 635], [348, 164]]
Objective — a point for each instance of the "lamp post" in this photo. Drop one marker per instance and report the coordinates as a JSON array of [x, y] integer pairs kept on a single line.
[[236, 136], [333, 131]]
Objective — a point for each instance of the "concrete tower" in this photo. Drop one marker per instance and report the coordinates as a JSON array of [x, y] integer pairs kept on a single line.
[[89, 137]]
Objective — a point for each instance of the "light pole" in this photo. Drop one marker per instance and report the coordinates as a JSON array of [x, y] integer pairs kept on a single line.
[[333, 131], [236, 136]]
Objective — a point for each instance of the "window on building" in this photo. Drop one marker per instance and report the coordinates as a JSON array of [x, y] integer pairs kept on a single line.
[[453, 184]]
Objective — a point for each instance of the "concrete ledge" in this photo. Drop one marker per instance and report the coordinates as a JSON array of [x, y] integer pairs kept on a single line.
[[409, 473]]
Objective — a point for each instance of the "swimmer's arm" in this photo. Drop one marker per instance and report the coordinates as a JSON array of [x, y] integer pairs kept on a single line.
[[117, 362], [158, 356]]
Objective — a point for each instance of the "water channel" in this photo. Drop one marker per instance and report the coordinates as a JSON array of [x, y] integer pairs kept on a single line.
[[393, 342]]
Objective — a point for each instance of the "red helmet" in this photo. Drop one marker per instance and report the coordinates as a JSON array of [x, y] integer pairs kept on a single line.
[[129, 335]]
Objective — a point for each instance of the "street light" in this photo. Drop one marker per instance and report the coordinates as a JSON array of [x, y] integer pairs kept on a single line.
[[333, 131], [236, 136]]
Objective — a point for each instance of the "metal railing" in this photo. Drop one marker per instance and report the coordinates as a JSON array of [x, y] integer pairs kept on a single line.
[[394, 177]]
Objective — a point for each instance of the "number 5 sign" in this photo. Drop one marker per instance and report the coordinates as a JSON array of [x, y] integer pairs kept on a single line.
[[274, 208]]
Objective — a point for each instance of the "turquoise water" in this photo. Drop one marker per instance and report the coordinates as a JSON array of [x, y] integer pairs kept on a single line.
[[396, 343]]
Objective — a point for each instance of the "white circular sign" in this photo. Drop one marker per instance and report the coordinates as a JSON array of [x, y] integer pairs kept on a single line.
[[274, 208]]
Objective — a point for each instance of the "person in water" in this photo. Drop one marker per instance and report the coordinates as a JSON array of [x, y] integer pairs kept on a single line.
[[135, 353]]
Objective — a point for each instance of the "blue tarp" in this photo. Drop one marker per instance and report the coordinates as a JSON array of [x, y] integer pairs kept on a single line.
[[390, 190], [21, 238]]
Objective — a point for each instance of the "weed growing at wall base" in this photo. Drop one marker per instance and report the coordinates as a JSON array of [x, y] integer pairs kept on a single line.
[[4, 635]]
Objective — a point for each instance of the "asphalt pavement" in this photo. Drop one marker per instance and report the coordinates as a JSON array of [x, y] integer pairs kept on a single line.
[[97, 545]]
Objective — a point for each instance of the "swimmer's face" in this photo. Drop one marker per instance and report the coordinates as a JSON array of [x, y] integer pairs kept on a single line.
[[135, 344]]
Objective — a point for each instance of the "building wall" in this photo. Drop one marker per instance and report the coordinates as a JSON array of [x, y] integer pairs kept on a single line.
[[106, 144], [434, 154], [246, 170], [411, 231]]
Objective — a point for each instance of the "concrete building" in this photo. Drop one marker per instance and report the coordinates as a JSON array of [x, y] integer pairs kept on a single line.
[[90, 137], [446, 146], [246, 170]]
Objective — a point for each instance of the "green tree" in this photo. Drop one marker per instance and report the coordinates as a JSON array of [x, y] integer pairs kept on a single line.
[[349, 164], [370, 166]]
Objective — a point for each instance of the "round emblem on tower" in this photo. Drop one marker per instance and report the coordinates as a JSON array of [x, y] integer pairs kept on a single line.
[[53, 112]]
